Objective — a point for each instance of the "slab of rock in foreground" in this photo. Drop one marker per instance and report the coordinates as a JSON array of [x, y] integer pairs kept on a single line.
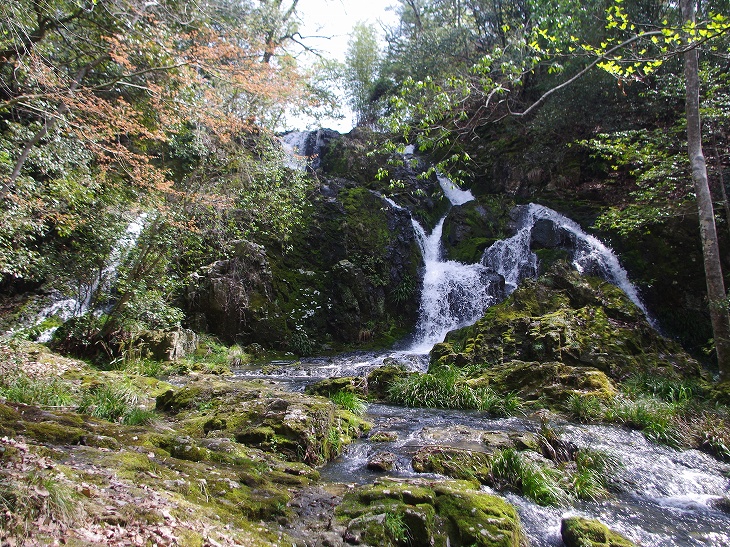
[[416, 512]]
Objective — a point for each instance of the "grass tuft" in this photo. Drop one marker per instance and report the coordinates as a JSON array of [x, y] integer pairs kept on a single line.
[[21, 388], [448, 388], [349, 401]]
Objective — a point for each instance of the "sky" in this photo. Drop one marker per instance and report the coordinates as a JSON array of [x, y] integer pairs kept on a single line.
[[335, 19]]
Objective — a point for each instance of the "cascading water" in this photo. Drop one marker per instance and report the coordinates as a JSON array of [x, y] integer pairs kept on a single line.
[[454, 294], [295, 146], [662, 497], [514, 260], [303, 148], [66, 308]]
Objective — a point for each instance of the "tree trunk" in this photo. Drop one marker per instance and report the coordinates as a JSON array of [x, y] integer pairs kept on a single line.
[[708, 233]]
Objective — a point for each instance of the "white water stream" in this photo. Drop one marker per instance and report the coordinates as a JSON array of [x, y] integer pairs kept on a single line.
[[66, 308]]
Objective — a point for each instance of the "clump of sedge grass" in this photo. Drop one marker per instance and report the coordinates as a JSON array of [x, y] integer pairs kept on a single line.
[[349, 401]]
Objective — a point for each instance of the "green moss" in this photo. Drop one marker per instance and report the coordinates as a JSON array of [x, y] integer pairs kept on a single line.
[[475, 518], [582, 532], [443, 513], [453, 462], [54, 433], [565, 318]]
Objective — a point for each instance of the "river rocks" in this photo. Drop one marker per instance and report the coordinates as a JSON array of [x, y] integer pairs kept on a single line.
[[297, 427], [456, 463], [382, 461], [582, 532], [383, 436], [585, 324], [391, 513]]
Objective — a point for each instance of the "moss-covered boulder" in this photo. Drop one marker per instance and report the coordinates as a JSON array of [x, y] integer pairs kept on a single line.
[[297, 427], [572, 320], [330, 386], [472, 227], [396, 513], [380, 379], [583, 532], [453, 462], [551, 381]]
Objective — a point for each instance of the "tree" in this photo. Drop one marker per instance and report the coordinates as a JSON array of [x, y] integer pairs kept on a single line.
[[362, 67], [708, 233]]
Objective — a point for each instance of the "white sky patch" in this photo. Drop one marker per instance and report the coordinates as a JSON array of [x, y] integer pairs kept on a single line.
[[326, 26]]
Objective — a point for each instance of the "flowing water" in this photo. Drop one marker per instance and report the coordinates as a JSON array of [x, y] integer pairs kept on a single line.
[[67, 307], [661, 497]]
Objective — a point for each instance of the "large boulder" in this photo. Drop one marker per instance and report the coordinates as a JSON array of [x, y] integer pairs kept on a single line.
[[296, 427], [230, 297]]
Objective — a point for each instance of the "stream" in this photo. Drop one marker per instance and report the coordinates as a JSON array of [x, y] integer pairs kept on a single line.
[[660, 496]]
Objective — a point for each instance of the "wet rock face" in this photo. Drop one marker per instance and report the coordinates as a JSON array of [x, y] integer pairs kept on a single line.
[[577, 331], [472, 227], [227, 297], [393, 513]]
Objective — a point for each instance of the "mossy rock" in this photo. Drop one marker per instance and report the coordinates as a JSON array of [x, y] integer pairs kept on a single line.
[[475, 518], [569, 319], [295, 426], [472, 227], [453, 462], [414, 512], [330, 386], [54, 433], [192, 395], [552, 381], [583, 532], [380, 379]]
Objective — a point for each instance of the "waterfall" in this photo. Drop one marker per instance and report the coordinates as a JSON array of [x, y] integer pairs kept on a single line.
[[303, 148], [513, 259], [454, 294], [66, 308], [295, 147]]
